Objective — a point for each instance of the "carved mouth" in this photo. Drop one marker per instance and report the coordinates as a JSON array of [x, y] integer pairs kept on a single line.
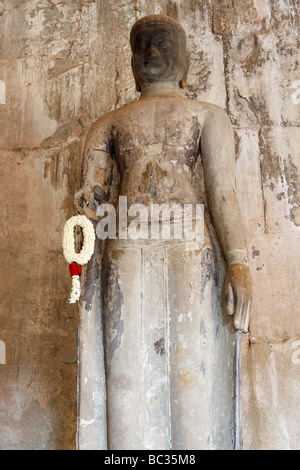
[[154, 62]]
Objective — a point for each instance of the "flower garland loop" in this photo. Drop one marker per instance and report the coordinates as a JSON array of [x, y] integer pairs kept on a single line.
[[76, 260]]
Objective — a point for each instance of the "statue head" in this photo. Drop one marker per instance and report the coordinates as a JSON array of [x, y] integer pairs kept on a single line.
[[159, 54]]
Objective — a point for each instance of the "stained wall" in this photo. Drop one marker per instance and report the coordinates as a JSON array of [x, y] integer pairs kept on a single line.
[[62, 65]]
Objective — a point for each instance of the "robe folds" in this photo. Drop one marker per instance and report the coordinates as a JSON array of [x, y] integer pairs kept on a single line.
[[155, 348]]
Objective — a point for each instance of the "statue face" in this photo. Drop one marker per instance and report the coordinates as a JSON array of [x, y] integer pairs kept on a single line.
[[158, 55]]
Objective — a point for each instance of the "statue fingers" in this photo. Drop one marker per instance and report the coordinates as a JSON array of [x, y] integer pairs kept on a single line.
[[229, 299], [246, 314], [238, 311], [83, 197], [78, 200]]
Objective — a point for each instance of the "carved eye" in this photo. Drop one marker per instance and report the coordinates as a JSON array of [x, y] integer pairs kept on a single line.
[[162, 44], [166, 45], [141, 45]]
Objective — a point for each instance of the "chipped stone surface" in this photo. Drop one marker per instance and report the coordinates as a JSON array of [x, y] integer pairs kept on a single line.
[[37, 324], [64, 64], [271, 382], [270, 253], [280, 166]]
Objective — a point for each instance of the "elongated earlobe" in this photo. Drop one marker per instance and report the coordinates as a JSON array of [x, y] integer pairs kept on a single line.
[[182, 82]]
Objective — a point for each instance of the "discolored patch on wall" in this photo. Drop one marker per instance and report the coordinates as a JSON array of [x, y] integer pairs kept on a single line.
[[292, 179], [159, 347], [280, 169]]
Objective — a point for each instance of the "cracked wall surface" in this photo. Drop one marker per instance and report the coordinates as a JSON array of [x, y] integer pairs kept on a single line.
[[62, 65]]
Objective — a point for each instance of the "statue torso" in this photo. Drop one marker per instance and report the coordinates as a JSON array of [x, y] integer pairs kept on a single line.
[[156, 145]]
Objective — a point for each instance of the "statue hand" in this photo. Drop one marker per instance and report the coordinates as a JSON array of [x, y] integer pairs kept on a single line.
[[84, 197], [238, 295]]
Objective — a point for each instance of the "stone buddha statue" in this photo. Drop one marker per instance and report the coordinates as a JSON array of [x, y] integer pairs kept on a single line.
[[160, 315]]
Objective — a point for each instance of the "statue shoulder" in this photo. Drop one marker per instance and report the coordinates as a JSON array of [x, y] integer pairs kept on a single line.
[[213, 115], [109, 119], [206, 112], [209, 108], [102, 122]]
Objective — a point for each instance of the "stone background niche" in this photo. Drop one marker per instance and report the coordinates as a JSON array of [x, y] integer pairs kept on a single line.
[[62, 65]]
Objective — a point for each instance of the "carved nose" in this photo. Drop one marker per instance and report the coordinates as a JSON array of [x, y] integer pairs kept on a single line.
[[152, 52]]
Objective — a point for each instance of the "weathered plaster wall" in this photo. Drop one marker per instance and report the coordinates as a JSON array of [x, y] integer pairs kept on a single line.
[[63, 64]]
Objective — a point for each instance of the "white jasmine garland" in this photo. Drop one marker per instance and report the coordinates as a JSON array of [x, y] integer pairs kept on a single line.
[[86, 252], [69, 240], [76, 289]]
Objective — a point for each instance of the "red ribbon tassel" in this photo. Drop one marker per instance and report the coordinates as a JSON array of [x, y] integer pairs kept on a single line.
[[75, 269]]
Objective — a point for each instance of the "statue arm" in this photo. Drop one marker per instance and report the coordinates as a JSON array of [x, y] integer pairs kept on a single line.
[[218, 156], [97, 168]]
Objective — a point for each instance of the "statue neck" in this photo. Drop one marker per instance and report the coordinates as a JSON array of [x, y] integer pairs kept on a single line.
[[160, 89]]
